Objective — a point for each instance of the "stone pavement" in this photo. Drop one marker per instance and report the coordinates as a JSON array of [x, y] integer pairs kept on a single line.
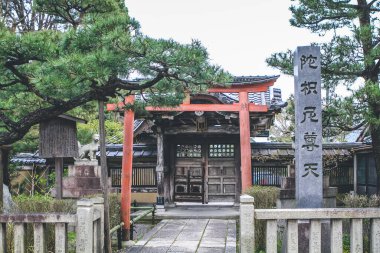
[[189, 235]]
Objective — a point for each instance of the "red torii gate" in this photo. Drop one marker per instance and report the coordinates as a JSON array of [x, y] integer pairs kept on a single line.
[[244, 107]]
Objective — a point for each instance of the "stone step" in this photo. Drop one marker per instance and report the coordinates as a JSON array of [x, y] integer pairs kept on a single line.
[[78, 193], [195, 205], [81, 182]]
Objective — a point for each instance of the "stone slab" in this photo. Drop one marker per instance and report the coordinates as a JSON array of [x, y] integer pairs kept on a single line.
[[210, 250], [193, 236]]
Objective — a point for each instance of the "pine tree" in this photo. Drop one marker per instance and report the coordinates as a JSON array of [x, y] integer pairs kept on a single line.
[[352, 53], [56, 55]]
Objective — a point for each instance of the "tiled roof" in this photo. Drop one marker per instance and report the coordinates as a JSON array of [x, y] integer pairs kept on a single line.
[[277, 150], [242, 80], [28, 159], [139, 150]]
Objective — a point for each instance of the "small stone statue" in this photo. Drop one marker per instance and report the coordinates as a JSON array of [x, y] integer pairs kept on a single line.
[[89, 150]]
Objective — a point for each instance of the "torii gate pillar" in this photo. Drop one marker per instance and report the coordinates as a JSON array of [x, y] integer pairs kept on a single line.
[[126, 173], [126, 167], [245, 143]]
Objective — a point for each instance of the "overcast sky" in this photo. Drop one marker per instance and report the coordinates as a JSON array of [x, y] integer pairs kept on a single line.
[[239, 35]]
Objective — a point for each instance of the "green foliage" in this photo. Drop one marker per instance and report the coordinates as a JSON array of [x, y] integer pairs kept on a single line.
[[39, 204], [115, 207], [351, 53], [29, 143], [360, 201], [265, 197], [84, 51], [42, 204], [114, 131]]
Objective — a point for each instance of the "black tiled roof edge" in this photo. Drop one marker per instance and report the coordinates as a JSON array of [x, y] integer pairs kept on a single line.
[[242, 80], [27, 159], [288, 145]]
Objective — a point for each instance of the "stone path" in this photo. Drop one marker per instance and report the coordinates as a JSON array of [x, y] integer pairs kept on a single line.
[[189, 235]]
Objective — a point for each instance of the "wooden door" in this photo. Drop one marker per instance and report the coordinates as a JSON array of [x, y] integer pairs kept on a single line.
[[221, 173], [205, 173], [189, 173]]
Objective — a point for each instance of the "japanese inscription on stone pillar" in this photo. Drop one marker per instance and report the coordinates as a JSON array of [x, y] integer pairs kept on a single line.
[[308, 127]]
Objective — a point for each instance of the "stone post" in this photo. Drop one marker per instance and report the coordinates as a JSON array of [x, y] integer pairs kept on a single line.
[[99, 206], [3, 236], [308, 127], [61, 238], [19, 238], [85, 226], [247, 224]]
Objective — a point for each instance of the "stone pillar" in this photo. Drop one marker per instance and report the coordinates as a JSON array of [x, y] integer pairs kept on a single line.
[[308, 127], [85, 226], [247, 224]]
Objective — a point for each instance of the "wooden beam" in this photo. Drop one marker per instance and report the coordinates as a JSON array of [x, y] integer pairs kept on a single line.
[[245, 144], [126, 173], [208, 108]]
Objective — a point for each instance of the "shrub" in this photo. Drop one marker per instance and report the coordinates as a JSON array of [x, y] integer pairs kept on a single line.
[[114, 202], [360, 201], [38, 204], [265, 197]]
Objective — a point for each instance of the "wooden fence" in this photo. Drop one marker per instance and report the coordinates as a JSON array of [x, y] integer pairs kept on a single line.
[[141, 177], [248, 215], [88, 222]]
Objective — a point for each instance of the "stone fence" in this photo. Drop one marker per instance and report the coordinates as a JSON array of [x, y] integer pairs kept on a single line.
[[317, 217], [88, 222]]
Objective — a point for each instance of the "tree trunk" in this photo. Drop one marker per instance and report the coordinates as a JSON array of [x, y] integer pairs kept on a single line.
[[104, 179]]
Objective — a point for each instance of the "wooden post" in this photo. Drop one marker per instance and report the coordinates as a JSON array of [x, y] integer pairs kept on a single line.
[[160, 166], [126, 173], [106, 245], [245, 142], [58, 177]]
